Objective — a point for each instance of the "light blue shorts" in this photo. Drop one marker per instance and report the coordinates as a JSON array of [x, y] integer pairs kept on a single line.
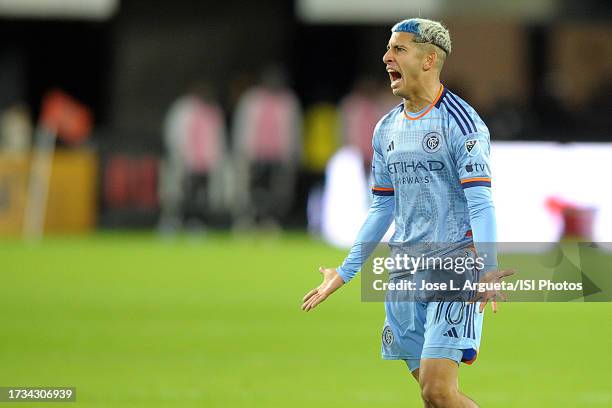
[[416, 330]]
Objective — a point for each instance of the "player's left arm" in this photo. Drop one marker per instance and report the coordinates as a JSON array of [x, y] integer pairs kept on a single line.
[[472, 154]]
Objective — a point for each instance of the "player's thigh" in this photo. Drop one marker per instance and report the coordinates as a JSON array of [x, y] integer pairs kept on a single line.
[[415, 374], [438, 375]]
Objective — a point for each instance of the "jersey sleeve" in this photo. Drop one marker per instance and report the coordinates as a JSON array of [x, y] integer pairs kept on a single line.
[[471, 153], [471, 149], [382, 185], [378, 221]]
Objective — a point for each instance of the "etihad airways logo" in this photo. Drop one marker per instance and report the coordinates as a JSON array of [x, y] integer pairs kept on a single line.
[[414, 166]]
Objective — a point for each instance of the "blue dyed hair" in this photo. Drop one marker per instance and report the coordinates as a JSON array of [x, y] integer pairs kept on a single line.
[[407, 26], [426, 31]]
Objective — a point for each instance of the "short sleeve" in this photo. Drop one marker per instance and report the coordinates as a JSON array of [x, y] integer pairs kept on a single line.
[[472, 152], [382, 185]]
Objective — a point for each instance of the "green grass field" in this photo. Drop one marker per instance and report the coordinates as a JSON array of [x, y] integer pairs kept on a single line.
[[134, 321]]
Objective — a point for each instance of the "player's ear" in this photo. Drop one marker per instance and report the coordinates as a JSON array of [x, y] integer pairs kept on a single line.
[[430, 60]]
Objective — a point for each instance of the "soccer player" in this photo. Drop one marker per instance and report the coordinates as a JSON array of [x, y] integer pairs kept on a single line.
[[431, 175]]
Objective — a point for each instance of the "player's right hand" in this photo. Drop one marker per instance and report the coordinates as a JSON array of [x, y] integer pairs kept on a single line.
[[331, 282]]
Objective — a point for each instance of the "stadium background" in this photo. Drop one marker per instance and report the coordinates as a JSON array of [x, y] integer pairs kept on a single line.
[[135, 311]]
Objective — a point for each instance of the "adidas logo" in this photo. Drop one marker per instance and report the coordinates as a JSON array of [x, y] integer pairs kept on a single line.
[[391, 146], [451, 333]]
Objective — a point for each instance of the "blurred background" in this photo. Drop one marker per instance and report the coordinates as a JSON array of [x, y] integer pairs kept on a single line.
[[225, 115], [154, 144]]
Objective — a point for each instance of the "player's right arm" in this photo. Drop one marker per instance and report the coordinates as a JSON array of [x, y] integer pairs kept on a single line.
[[380, 217]]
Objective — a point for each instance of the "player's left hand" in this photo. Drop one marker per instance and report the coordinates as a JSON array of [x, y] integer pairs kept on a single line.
[[331, 282], [491, 278]]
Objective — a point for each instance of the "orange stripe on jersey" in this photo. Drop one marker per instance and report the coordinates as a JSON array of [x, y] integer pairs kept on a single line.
[[383, 191], [428, 109], [475, 179]]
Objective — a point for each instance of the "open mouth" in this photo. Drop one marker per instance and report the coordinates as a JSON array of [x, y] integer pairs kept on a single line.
[[395, 77]]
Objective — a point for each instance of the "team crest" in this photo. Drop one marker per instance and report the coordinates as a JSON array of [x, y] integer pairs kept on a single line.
[[432, 142], [387, 336], [472, 146]]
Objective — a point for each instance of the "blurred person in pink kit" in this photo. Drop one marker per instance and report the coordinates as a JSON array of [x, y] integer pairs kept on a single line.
[[266, 138], [191, 184]]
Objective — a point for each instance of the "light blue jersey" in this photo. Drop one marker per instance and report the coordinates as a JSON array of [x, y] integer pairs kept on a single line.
[[431, 174], [423, 164]]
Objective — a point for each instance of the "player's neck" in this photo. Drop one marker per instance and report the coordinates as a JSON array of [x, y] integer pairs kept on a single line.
[[422, 95]]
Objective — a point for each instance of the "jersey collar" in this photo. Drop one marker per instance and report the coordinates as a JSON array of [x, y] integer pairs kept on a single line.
[[430, 107]]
